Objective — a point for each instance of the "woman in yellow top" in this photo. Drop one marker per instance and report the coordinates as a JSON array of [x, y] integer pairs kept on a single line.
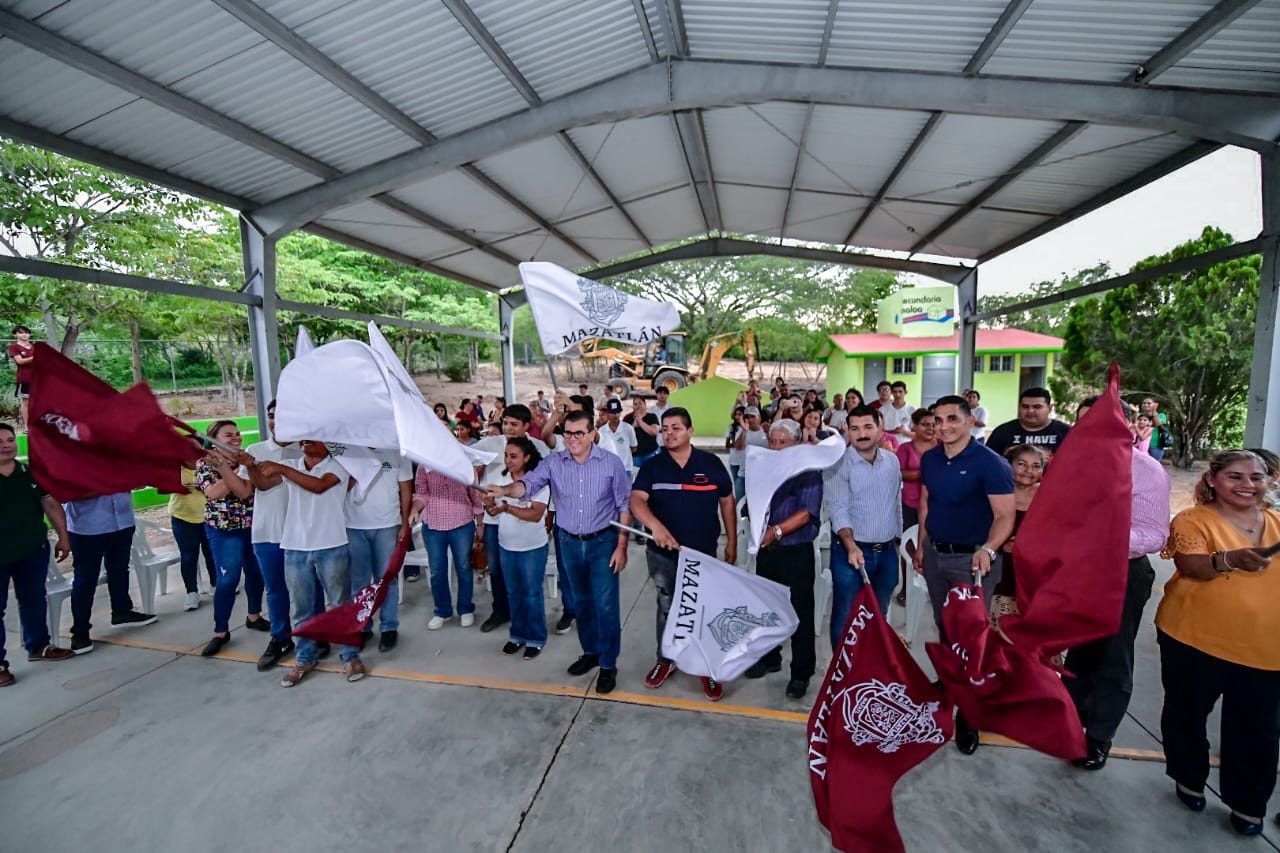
[[1217, 627], [186, 518]]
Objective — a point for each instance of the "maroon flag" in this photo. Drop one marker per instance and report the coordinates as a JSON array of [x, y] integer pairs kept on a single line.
[[1000, 687], [88, 439], [1072, 548], [876, 716], [343, 624]]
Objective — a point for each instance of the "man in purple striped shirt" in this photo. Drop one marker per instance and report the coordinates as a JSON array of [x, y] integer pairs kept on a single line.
[[1103, 668], [591, 489]]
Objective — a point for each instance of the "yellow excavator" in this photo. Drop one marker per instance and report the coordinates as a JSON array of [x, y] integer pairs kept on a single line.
[[663, 363]]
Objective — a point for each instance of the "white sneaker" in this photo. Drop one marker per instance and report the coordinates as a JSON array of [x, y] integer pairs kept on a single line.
[[436, 623], [468, 619], [192, 602]]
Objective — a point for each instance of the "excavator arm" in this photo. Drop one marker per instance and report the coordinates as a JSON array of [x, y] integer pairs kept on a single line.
[[717, 346]]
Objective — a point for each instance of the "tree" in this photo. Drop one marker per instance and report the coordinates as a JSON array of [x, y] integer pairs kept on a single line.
[[1048, 319], [1185, 339]]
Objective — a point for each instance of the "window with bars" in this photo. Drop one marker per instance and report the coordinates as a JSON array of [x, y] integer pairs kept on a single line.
[[904, 365], [1003, 364]]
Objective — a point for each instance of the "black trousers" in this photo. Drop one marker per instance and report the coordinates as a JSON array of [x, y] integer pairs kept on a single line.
[[1193, 681], [1103, 669], [793, 567]]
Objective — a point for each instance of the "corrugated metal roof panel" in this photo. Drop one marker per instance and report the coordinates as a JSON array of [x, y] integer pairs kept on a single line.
[[1101, 41], [425, 62], [563, 45], [822, 217], [899, 225], [1242, 56], [546, 177], [538, 246], [45, 93], [775, 130], [604, 233], [764, 30], [982, 229], [860, 146], [634, 157], [481, 266], [922, 35], [966, 153], [458, 199], [751, 210], [380, 224], [668, 216]]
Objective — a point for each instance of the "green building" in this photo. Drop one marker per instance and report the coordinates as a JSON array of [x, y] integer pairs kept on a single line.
[[916, 342]]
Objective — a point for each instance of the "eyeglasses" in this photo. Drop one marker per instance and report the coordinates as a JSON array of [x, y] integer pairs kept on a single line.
[[576, 433]]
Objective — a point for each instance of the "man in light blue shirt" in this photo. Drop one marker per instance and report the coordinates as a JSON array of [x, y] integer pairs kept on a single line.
[[101, 532]]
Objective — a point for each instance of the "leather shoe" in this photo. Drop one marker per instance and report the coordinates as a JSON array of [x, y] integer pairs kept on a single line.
[[492, 622], [388, 640], [763, 667], [1095, 757], [966, 736], [797, 687], [584, 664], [1244, 826], [607, 681], [1195, 802]]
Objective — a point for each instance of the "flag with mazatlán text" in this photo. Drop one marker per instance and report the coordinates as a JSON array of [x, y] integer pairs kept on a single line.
[[876, 716], [343, 624], [766, 470], [86, 438], [568, 309], [723, 619]]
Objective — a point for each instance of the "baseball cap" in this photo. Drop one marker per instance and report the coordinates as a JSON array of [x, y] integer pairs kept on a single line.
[[752, 410], [612, 405]]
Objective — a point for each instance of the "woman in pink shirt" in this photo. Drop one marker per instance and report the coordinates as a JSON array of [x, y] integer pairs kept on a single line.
[[448, 511]]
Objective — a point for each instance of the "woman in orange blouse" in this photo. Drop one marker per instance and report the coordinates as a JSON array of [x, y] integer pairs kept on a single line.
[[1217, 627]]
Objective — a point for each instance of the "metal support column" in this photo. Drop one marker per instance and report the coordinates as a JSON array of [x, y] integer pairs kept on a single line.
[[259, 254], [506, 327], [967, 300], [1262, 428]]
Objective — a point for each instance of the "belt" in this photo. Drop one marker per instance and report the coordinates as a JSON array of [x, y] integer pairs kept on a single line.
[[586, 537], [878, 546], [954, 547]]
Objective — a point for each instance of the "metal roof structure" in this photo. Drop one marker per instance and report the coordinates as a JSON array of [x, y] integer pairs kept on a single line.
[[464, 136]]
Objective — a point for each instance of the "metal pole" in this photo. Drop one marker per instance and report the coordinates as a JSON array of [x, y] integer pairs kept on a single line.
[[173, 370], [967, 300], [506, 327], [1262, 428], [259, 256]]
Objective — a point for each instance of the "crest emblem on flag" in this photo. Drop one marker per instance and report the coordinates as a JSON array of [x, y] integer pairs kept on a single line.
[[883, 714], [734, 624], [62, 424], [602, 304]]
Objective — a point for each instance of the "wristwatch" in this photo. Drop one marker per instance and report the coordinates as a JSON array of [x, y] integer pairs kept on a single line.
[[991, 552], [777, 531]]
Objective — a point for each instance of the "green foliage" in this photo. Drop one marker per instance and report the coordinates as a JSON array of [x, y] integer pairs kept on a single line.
[[458, 368], [1049, 319], [1184, 339]]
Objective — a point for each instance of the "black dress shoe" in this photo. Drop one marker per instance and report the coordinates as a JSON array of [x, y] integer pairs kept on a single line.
[[763, 667], [388, 640], [797, 687], [583, 665], [1095, 757], [607, 681], [512, 647], [259, 624], [1244, 826], [214, 646], [275, 651], [1195, 802], [494, 621], [966, 736]]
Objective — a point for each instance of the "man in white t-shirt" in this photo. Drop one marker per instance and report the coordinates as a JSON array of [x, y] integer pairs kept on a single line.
[[269, 508], [979, 430], [897, 414], [658, 407], [752, 434], [515, 424], [374, 527], [618, 437], [314, 541]]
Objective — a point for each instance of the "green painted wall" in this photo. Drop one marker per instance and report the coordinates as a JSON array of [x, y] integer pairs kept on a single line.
[[999, 392], [843, 373]]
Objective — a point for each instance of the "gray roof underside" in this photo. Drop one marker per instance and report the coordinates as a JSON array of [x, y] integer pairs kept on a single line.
[[468, 135]]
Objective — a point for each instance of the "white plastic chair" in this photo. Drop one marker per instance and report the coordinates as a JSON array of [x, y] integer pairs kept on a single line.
[[57, 589], [416, 557], [151, 567], [823, 585], [917, 591], [746, 560]]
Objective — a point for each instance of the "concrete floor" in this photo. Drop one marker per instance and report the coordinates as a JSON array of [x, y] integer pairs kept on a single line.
[[449, 746]]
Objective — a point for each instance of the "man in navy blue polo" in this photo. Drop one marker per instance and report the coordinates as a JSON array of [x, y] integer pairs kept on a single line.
[[966, 514], [682, 496]]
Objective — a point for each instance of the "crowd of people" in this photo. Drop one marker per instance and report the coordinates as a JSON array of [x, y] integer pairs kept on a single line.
[[573, 474]]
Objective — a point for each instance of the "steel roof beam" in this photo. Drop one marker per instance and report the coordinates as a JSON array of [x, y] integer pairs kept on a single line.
[[1251, 120], [1192, 37], [823, 48], [697, 157], [646, 32], [1004, 25], [724, 247], [392, 255], [88, 275], [1064, 135]]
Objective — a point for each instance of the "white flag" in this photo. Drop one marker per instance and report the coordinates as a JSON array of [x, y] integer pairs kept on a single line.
[[723, 619], [568, 309], [304, 344], [354, 394], [768, 469]]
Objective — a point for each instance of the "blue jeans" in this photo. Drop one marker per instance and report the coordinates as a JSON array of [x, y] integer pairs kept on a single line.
[[439, 543], [192, 542], [882, 569], [738, 473], [28, 576], [91, 551], [595, 593], [525, 570], [271, 563], [493, 554], [1157, 453], [302, 569], [371, 551], [566, 595], [232, 553]]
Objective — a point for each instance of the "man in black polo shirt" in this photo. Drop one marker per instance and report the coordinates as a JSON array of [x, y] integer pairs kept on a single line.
[[966, 514], [682, 496], [24, 552], [1035, 424]]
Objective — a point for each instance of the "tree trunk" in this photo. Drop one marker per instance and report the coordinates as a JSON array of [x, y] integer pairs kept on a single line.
[[135, 349], [70, 338]]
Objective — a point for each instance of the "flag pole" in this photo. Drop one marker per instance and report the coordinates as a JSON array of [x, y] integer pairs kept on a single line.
[[633, 531], [555, 386]]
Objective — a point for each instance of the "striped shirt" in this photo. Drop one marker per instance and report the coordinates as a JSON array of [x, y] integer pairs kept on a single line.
[[1150, 525], [588, 495], [866, 497]]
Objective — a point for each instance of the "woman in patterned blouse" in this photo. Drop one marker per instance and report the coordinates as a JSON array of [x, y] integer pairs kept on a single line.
[[228, 518]]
